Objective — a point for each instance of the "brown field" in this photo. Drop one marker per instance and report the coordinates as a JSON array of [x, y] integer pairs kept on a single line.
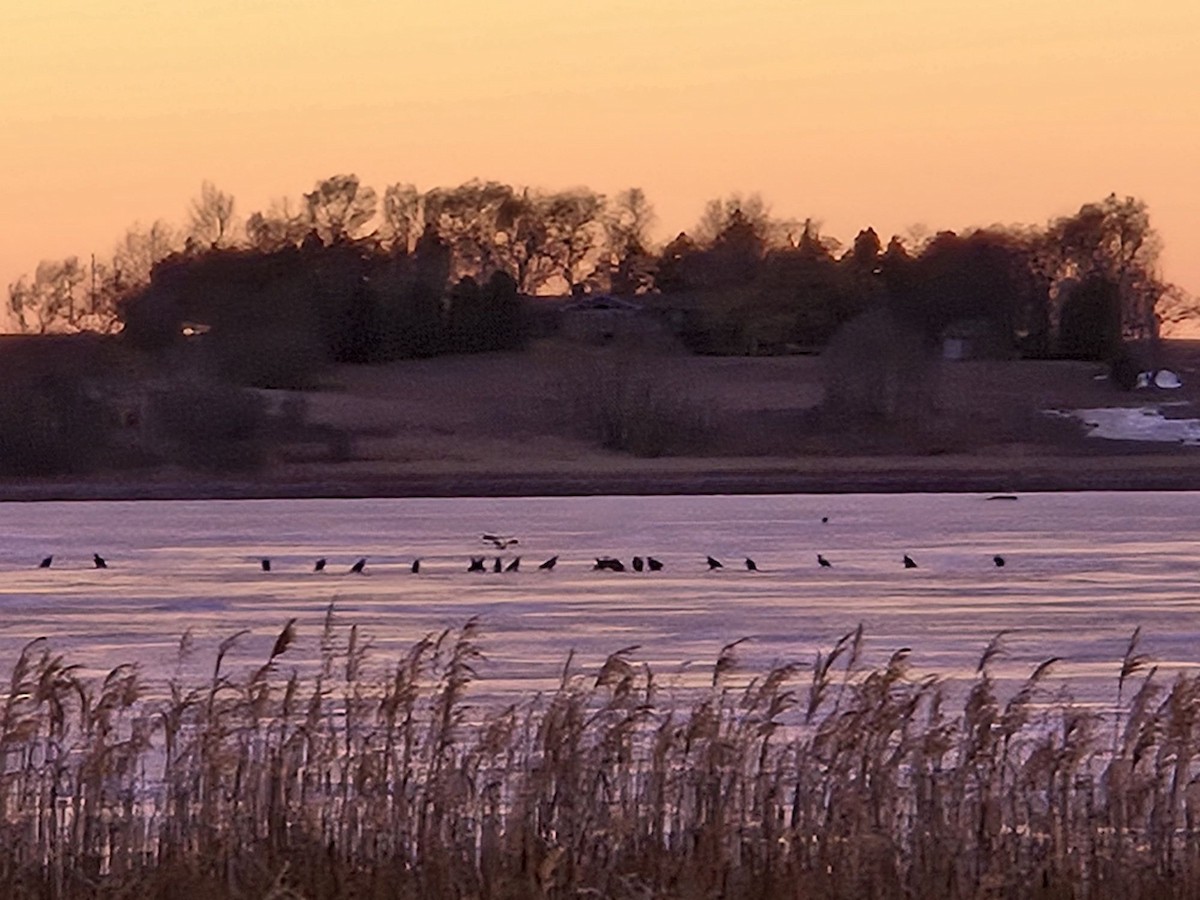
[[516, 423]]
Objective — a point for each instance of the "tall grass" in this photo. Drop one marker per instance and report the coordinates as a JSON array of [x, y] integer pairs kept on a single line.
[[823, 780]]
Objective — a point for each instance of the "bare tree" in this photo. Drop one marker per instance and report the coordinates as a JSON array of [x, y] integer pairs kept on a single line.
[[628, 261], [575, 232], [51, 301], [136, 254], [401, 214], [749, 209], [211, 219], [278, 227], [466, 218], [339, 207]]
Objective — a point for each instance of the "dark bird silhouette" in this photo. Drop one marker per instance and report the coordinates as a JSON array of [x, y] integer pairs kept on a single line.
[[514, 566], [653, 564], [319, 565], [751, 565], [476, 564], [497, 566], [98, 561], [45, 563], [638, 564], [549, 564], [823, 562], [998, 560], [607, 562], [714, 564], [357, 568], [908, 562], [416, 567], [824, 520], [264, 564]]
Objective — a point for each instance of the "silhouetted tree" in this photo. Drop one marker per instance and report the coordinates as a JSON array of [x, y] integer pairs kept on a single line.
[[1090, 321], [401, 214], [338, 208], [465, 218], [677, 266], [210, 218], [53, 300], [1112, 240], [276, 228]]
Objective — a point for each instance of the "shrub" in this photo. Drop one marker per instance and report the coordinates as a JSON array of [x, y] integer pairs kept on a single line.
[[624, 406], [50, 426], [208, 425]]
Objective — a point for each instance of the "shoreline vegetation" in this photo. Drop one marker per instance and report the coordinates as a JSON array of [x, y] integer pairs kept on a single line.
[[356, 776]]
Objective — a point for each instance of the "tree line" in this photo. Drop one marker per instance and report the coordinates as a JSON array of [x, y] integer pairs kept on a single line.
[[355, 275]]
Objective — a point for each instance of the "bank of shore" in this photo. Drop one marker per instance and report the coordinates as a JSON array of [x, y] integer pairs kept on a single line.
[[956, 474]]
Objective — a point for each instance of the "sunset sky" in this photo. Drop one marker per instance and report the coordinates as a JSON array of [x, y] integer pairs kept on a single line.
[[939, 113]]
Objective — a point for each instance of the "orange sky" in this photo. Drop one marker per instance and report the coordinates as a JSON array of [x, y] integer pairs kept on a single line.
[[858, 112]]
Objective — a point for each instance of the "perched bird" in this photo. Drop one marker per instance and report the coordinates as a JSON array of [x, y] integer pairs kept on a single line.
[[549, 564], [98, 561], [45, 563], [823, 562], [357, 568], [908, 562], [264, 564], [751, 565], [607, 562], [638, 565], [514, 566], [416, 567], [476, 564], [998, 560], [319, 565], [714, 564], [653, 564], [497, 566]]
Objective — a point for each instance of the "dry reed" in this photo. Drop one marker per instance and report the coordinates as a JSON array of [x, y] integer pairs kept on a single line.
[[863, 784]]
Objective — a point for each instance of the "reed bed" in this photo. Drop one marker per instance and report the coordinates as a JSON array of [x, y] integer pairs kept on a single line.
[[824, 780]]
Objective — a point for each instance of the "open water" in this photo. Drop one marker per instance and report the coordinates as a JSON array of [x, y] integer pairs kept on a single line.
[[1083, 570]]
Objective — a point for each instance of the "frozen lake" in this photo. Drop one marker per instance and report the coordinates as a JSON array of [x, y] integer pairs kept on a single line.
[[1083, 570]]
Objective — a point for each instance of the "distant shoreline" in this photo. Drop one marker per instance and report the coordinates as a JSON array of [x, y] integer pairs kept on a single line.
[[882, 476]]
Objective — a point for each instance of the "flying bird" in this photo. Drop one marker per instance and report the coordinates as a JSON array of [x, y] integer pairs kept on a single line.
[[476, 564], [714, 564], [653, 564], [98, 561], [908, 562], [319, 565], [638, 564], [416, 567], [824, 520], [549, 564], [751, 565], [514, 566], [823, 562], [499, 541], [45, 563], [357, 568], [998, 560]]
